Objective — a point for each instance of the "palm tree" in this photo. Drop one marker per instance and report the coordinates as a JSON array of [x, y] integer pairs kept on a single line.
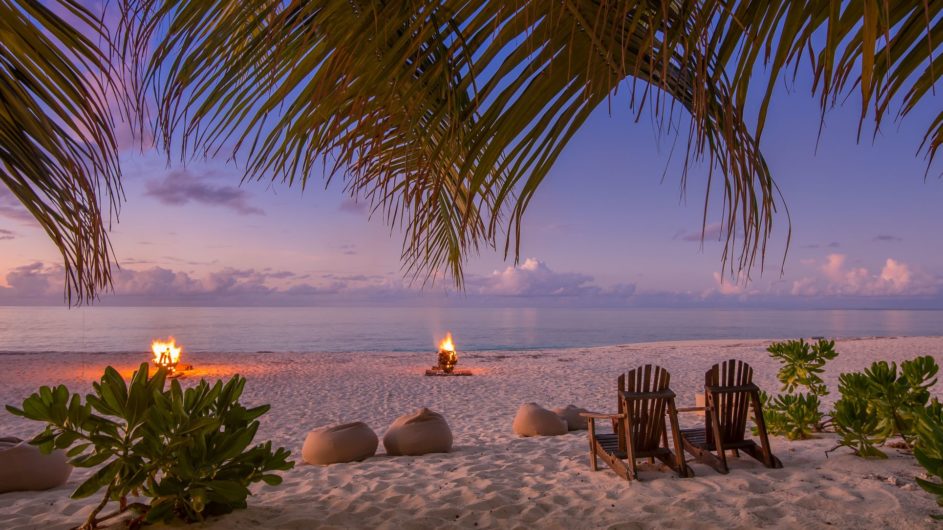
[[445, 116], [57, 151]]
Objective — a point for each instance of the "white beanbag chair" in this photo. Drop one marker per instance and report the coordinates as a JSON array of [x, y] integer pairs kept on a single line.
[[419, 433], [534, 420], [571, 414], [350, 442], [23, 467]]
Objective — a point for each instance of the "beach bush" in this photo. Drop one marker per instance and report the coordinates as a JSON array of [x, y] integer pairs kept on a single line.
[[188, 451], [802, 363], [928, 429], [795, 414], [883, 402]]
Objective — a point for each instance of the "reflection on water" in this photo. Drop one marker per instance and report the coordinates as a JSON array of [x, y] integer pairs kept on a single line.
[[109, 329]]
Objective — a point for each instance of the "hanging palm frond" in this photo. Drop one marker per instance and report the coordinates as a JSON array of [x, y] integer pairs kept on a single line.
[[57, 151], [447, 115]]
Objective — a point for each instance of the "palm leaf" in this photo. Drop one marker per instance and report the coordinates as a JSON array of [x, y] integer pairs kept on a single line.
[[446, 116], [57, 152]]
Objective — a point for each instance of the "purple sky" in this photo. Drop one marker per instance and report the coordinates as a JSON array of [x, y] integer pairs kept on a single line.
[[605, 229]]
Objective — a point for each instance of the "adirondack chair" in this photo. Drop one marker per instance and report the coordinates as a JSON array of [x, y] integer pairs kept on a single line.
[[729, 391], [644, 402]]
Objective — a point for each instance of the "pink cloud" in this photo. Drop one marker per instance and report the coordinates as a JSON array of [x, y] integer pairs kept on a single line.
[[836, 278]]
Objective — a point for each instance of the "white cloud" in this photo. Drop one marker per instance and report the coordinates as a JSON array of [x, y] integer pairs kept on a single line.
[[535, 278], [726, 287], [837, 278]]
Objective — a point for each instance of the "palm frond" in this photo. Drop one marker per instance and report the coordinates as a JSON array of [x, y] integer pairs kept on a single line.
[[446, 116], [57, 152]]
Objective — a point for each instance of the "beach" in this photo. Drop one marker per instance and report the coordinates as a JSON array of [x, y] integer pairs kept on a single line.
[[494, 479]]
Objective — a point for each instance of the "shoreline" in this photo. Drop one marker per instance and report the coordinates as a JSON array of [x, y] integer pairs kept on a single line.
[[623, 345], [493, 478]]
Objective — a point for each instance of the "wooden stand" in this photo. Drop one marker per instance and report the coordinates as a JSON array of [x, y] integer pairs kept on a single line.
[[436, 371]]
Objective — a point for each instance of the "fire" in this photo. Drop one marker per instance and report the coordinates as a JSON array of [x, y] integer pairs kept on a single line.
[[447, 356], [166, 354], [447, 344]]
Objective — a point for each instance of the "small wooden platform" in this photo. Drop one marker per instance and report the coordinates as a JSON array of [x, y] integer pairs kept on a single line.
[[439, 372]]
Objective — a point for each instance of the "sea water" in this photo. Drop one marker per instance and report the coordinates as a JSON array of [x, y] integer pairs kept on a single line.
[[392, 329]]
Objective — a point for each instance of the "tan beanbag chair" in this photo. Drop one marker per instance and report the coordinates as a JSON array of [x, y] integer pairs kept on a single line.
[[534, 420], [23, 467], [419, 433], [350, 442], [571, 414]]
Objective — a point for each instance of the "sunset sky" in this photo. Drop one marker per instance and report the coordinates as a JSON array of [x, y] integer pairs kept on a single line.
[[605, 229]]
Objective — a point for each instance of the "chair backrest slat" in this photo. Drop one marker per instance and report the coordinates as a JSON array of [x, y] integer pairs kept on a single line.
[[648, 413], [731, 408]]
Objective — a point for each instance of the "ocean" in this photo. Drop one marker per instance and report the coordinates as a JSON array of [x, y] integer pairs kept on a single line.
[[386, 329]]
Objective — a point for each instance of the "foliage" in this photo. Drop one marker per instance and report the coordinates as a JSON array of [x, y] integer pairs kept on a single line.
[[187, 450], [59, 154], [802, 363], [928, 428], [446, 116], [858, 427], [796, 415], [882, 402]]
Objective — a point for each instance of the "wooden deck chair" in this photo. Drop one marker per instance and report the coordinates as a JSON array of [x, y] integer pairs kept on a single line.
[[729, 391], [644, 401]]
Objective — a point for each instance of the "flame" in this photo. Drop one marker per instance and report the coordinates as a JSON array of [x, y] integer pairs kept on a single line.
[[166, 353], [447, 344]]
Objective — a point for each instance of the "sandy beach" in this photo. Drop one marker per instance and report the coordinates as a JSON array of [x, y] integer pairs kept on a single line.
[[494, 479]]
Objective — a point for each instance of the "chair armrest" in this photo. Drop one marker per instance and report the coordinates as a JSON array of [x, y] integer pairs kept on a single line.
[[693, 409], [601, 416]]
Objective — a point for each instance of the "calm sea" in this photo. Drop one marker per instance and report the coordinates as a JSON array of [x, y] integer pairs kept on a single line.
[[130, 329]]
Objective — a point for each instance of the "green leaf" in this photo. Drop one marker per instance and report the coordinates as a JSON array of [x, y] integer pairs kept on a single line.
[[100, 479]]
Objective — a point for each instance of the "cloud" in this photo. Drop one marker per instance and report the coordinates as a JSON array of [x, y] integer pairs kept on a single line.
[[833, 244], [711, 232], [727, 286], [33, 281], [837, 278], [534, 278], [6, 235], [353, 206], [11, 208], [888, 238], [180, 187]]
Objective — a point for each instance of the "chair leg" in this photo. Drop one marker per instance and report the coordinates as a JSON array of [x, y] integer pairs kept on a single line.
[[629, 446], [680, 466], [718, 440], [768, 459], [592, 444]]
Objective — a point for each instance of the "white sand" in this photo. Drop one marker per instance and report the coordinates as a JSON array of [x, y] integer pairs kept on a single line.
[[494, 479]]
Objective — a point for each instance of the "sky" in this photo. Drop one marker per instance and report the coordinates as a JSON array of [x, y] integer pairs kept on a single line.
[[609, 227]]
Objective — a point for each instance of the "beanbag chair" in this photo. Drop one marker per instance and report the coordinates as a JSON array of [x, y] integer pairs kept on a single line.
[[419, 433], [23, 467], [571, 414], [350, 442], [534, 420]]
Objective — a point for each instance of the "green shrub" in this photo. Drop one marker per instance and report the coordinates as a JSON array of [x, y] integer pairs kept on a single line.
[[802, 363], [928, 428], [882, 402], [187, 450], [796, 415], [857, 427]]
